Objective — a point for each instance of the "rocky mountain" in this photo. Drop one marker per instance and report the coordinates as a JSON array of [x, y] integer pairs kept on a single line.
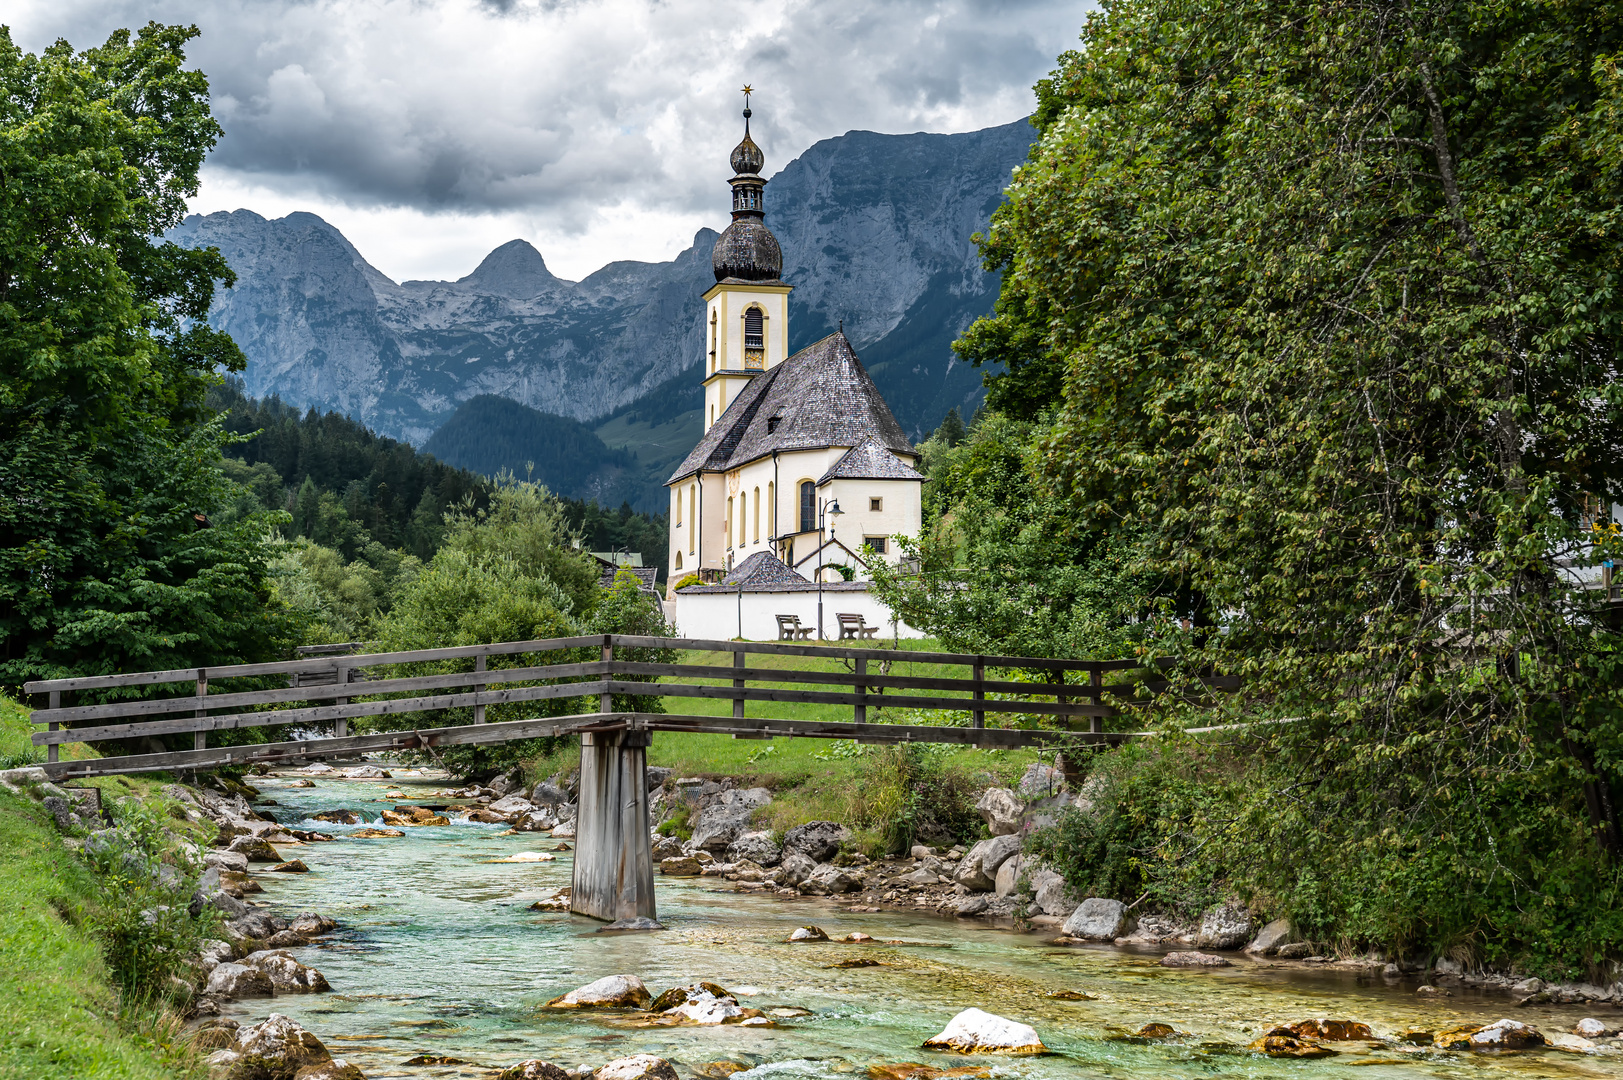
[[875, 232]]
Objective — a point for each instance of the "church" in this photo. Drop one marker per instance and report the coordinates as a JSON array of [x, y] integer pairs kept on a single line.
[[801, 460]]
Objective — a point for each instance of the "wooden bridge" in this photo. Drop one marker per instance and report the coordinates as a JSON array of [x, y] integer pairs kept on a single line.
[[613, 867]]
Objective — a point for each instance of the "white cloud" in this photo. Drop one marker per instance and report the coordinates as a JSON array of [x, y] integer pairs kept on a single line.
[[428, 128]]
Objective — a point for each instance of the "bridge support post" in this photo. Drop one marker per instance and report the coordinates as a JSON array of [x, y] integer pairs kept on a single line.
[[614, 862]]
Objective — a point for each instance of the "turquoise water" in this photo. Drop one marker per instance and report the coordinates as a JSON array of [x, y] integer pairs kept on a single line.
[[438, 954]]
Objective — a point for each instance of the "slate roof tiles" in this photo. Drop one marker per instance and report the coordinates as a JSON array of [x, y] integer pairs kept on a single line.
[[819, 397]]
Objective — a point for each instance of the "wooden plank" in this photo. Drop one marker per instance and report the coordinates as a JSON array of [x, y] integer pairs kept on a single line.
[[837, 678], [605, 701], [374, 687], [52, 753], [860, 713], [479, 710], [318, 714], [200, 739], [744, 727], [819, 697], [302, 749], [236, 671], [977, 716], [738, 682], [835, 651]]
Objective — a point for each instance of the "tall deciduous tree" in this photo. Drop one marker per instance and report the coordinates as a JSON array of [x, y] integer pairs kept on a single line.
[[1326, 295], [108, 455]]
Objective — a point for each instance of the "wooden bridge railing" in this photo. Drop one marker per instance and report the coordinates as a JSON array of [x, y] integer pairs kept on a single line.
[[341, 686]]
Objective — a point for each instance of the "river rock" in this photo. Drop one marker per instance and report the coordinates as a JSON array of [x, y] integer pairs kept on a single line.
[[237, 883], [680, 866], [808, 933], [609, 992], [1008, 875], [977, 870], [636, 1067], [922, 876], [226, 860], [973, 905], [564, 831], [367, 772], [292, 866], [1099, 919], [286, 939], [1193, 959], [1506, 1035], [912, 1070], [1589, 1028], [336, 1069], [254, 849], [1289, 1046], [975, 1032], [548, 793], [701, 1005], [796, 868], [214, 952], [1002, 810], [257, 924], [309, 924], [286, 974], [535, 821], [757, 846], [279, 1047], [1041, 781], [1327, 1029], [1052, 895], [1224, 927], [727, 818], [818, 841], [534, 1069], [1296, 950], [340, 817], [512, 805], [830, 880], [231, 980], [373, 834], [1270, 938], [488, 817], [1573, 1044]]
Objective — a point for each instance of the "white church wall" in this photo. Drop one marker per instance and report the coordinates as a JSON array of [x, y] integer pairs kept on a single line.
[[716, 614]]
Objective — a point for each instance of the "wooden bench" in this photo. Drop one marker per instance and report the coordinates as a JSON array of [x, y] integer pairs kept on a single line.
[[789, 628], [852, 626]]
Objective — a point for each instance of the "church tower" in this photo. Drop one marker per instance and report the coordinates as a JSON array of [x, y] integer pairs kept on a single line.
[[747, 310]]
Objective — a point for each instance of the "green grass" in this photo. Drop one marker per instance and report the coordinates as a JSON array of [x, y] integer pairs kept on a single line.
[[59, 1015], [812, 779]]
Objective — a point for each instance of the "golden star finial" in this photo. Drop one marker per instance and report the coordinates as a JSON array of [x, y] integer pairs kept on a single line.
[[748, 89]]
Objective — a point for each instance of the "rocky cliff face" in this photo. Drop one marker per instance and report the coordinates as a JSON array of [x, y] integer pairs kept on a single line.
[[875, 231]]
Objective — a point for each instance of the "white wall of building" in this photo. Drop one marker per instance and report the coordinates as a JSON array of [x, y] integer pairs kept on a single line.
[[716, 614]]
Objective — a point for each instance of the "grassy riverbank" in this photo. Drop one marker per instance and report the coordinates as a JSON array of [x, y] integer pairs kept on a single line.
[[60, 1016]]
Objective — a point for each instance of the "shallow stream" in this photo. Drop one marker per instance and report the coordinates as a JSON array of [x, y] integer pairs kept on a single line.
[[439, 954]]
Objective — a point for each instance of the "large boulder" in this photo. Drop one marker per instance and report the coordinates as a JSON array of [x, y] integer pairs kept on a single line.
[[680, 866], [226, 860], [1225, 927], [1188, 959], [636, 1067], [238, 981], [1002, 810], [1271, 937], [609, 992], [757, 847], [818, 841], [254, 849], [1506, 1035], [977, 871], [1041, 781], [549, 793], [278, 1048], [975, 1032], [534, 1069], [1008, 875], [511, 805], [727, 818], [285, 973], [1098, 919], [830, 880], [796, 868], [212, 892], [336, 1069], [1051, 894]]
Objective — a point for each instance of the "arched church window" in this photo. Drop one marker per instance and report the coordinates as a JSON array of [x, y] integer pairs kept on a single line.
[[754, 338], [808, 506], [757, 518]]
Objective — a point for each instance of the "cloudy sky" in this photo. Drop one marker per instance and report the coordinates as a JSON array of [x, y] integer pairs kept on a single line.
[[431, 132]]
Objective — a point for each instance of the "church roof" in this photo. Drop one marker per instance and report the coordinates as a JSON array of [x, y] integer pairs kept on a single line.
[[819, 397], [762, 568], [871, 460]]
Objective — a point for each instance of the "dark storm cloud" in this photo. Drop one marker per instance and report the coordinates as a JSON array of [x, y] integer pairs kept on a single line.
[[491, 105]]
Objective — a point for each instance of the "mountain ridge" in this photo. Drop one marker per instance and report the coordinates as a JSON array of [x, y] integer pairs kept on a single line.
[[875, 231]]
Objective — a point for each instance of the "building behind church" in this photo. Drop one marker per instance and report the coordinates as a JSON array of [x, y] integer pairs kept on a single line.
[[801, 459]]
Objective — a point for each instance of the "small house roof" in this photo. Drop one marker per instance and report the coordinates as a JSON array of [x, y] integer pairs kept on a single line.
[[762, 568], [871, 460]]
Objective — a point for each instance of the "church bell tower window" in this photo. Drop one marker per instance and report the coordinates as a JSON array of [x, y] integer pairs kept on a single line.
[[754, 339]]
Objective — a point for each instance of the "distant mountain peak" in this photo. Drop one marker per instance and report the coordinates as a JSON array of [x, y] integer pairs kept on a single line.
[[515, 270]]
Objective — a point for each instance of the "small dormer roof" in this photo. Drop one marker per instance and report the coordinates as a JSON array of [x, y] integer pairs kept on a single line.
[[870, 460]]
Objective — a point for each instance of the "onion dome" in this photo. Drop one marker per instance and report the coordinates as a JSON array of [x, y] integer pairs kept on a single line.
[[747, 251]]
